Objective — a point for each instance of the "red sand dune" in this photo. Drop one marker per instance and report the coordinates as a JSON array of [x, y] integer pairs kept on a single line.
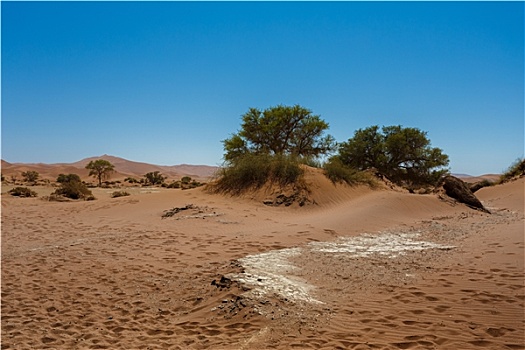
[[123, 168]]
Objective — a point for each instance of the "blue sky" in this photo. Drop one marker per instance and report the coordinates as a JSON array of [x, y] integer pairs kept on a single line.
[[165, 82]]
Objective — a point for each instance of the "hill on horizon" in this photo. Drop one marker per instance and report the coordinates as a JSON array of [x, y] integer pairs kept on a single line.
[[123, 168]]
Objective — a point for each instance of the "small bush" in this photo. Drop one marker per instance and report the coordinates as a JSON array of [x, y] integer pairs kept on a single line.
[[62, 178], [119, 194], [515, 170], [337, 172], [174, 184], [252, 171], [22, 192], [74, 190], [185, 180], [154, 178], [30, 176], [131, 180], [195, 184]]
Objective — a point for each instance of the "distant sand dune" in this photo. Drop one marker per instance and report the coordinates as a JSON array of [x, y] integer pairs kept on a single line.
[[123, 168]]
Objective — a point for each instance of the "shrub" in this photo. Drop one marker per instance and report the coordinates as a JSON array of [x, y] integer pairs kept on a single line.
[[154, 178], [285, 170], [62, 178], [22, 192], [131, 180], [252, 171], [74, 189], [195, 184], [515, 170], [119, 194], [174, 184], [30, 176], [337, 172], [185, 180]]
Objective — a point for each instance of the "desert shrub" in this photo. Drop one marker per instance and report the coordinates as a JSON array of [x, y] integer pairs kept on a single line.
[[119, 194], [73, 188], [174, 184], [285, 170], [515, 170], [185, 180], [337, 172], [251, 171], [22, 192], [131, 180], [30, 176], [62, 178], [154, 178], [195, 184]]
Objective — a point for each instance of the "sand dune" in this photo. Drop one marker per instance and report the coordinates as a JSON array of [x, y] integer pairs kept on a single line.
[[123, 168], [360, 269]]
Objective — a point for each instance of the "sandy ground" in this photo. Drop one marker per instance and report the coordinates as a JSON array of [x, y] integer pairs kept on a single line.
[[361, 269]]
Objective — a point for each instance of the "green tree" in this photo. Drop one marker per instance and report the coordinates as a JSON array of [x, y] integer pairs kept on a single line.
[[280, 130], [404, 155], [30, 176], [154, 178], [100, 169]]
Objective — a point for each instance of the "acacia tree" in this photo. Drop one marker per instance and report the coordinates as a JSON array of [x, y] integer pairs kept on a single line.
[[100, 169], [404, 155], [280, 130]]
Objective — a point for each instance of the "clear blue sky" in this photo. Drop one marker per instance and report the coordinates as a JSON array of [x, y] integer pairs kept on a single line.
[[165, 82]]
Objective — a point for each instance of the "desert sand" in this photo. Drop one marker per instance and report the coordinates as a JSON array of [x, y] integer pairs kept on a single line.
[[356, 268]]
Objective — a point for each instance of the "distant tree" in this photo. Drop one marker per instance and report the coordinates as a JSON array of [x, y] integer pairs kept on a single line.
[[154, 178], [281, 130], [30, 176], [404, 155], [100, 169]]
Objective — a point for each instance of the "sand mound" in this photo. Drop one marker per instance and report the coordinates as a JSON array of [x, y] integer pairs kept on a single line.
[[315, 189]]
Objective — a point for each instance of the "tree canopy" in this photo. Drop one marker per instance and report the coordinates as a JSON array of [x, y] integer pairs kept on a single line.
[[280, 130], [404, 155], [100, 169]]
